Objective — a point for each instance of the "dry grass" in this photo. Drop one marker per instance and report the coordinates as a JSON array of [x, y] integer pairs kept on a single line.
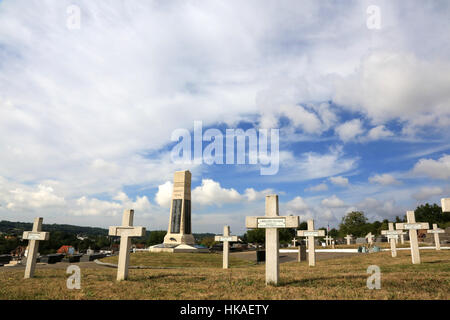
[[384, 245], [180, 260], [332, 279]]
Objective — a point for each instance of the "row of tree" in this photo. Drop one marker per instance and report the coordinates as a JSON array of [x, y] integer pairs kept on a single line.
[[355, 223]]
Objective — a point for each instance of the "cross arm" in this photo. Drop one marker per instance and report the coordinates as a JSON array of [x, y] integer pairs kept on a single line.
[[313, 233], [391, 232], [127, 231], [33, 235], [392, 236], [412, 226], [272, 222], [226, 238], [436, 231]]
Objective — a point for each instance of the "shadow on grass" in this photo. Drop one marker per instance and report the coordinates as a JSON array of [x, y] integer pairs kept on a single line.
[[318, 280], [154, 277]]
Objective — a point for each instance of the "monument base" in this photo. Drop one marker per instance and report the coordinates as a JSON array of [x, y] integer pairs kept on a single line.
[[178, 248]]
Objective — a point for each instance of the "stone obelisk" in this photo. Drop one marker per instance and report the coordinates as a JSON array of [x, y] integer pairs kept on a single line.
[[179, 231]]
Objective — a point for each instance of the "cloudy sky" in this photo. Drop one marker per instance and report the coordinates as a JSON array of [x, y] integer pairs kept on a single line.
[[88, 107]]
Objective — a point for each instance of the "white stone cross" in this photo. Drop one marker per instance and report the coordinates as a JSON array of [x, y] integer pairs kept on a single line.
[[392, 235], [413, 226], [226, 238], [402, 237], [126, 231], [310, 234], [445, 202], [33, 238], [369, 238], [349, 238], [272, 222], [436, 232], [328, 240], [294, 241]]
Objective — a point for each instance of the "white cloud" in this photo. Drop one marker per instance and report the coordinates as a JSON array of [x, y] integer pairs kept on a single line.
[[311, 165], [384, 179], [426, 193], [319, 187], [96, 121], [376, 209], [85, 206], [350, 130], [43, 197], [253, 195], [301, 118], [379, 132], [164, 194], [435, 169], [210, 192], [95, 207], [340, 181], [296, 205], [333, 202], [398, 85]]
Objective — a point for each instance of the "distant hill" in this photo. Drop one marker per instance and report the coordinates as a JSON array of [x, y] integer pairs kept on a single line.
[[18, 228], [199, 236], [10, 227]]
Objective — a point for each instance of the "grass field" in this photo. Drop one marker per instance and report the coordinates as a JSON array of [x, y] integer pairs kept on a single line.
[[384, 245], [179, 260], [204, 279]]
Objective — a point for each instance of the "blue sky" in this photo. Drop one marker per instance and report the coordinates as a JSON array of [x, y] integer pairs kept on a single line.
[[91, 92]]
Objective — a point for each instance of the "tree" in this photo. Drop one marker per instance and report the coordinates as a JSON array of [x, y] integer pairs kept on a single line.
[[207, 242], [376, 227], [286, 235], [256, 236], [156, 237], [333, 233], [354, 223], [431, 214], [303, 226]]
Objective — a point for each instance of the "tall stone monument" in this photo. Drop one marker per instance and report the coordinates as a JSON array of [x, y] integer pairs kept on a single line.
[[179, 231], [179, 236]]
